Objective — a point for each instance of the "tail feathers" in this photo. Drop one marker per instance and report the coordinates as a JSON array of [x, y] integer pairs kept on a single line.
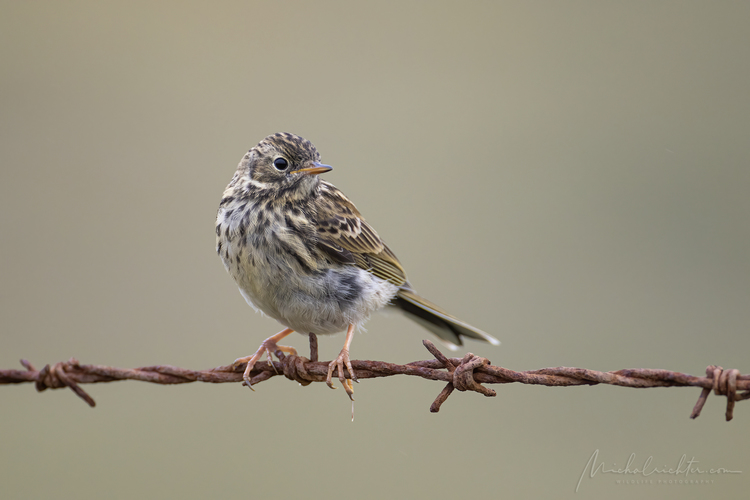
[[447, 327]]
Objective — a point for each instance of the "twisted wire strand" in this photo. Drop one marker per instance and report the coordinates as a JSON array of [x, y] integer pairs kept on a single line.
[[462, 374]]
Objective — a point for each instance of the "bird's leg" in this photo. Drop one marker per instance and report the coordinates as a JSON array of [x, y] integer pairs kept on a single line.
[[268, 346], [340, 361]]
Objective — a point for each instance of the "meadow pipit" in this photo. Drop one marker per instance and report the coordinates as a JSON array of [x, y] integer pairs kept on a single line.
[[302, 254]]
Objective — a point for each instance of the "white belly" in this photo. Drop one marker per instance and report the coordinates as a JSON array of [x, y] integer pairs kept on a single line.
[[322, 304]]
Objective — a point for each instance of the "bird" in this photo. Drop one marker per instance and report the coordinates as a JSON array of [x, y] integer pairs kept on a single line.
[[302, 254]]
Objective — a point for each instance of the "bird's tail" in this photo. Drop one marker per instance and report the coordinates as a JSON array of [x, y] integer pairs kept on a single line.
[[449, 328]]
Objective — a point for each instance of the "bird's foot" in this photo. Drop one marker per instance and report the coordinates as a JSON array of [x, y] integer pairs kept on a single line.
[[268, 346], [339, 363]]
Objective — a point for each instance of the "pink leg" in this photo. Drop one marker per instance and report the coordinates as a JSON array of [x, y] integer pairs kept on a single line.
[[340, 362], [268, 346]]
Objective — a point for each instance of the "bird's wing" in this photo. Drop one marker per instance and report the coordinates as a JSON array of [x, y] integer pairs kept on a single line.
[[346, 237]]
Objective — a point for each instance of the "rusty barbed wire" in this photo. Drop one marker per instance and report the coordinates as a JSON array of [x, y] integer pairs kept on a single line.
[[462, 374]]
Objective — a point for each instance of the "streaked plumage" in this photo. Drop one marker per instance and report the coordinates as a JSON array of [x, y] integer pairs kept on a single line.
[[301, 253]]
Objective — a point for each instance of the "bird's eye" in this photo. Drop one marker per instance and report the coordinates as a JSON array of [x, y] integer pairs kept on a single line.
[[280, 164]]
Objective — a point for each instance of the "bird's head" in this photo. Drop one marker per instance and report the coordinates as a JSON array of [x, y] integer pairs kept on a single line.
[[282, 164]]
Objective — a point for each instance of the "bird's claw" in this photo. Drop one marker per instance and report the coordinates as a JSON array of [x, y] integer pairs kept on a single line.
[[338, 364], [268, 347]]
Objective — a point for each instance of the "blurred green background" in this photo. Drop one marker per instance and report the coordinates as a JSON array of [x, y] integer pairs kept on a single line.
[[572, 177]]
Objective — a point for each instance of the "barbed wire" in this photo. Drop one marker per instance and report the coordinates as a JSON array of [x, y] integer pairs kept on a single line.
[[462, 374]]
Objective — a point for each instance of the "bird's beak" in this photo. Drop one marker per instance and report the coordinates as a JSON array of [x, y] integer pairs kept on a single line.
[[317, 168]]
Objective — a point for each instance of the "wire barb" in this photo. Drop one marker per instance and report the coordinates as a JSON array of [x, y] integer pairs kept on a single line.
[[463, 374], [724, 383]]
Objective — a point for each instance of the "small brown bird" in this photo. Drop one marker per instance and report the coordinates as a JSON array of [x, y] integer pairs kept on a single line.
[[301, 253]]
